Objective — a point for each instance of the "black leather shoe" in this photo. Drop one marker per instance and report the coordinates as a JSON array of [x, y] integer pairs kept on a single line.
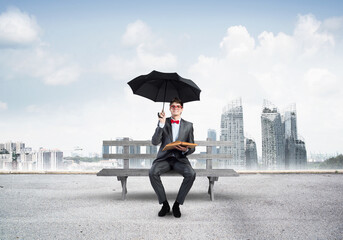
[[176, 211], [164, 210]]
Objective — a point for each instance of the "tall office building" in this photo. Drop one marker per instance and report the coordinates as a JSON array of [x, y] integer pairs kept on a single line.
[[48, 159], [10, 146], [289, 121], [26, 162], [56, 160], [232, 130], [212, 135], [250, 154], [295, 150], [273, 138], [43, 159], [20, 146], [300, 154]]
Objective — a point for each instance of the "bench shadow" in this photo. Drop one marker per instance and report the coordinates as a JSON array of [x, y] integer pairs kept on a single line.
[[151, 196]]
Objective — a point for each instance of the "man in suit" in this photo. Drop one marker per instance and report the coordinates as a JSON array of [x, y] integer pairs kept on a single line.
[[167, 131]]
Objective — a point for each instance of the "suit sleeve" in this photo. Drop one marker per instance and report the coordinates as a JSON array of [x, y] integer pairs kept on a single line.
[[157, 137], [191, 140]]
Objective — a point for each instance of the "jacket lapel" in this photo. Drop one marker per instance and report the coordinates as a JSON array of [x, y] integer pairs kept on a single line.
[[181, 131], [169, 130]]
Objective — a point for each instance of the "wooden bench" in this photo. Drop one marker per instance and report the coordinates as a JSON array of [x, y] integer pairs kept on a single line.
[[122, 175]]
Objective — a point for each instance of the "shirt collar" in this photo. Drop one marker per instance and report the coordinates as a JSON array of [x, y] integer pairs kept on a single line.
[[176, 120]]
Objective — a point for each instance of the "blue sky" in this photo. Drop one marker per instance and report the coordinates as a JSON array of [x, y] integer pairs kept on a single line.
[[64, 66]]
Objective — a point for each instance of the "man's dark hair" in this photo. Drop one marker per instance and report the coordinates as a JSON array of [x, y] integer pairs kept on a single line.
[[176, 100]]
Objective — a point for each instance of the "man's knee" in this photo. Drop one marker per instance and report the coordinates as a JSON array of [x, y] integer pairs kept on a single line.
[[190, 174], [153, 173]]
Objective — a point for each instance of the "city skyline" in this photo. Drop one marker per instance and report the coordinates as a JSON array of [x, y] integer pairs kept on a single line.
[[64, 67]]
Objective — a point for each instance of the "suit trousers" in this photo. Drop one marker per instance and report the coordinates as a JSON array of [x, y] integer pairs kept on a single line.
[[160, 167]]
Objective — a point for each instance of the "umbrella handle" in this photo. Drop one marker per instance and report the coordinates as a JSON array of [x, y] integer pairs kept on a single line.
[[158, 114]]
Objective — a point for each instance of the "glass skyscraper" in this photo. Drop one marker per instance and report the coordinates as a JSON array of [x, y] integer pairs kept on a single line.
[[232, 130]]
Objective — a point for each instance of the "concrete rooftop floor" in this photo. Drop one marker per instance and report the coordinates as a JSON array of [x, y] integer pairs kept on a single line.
[[251, 206]]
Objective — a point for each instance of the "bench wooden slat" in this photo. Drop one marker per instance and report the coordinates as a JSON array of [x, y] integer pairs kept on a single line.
[[148, 143], [153, 156], [145, 172]]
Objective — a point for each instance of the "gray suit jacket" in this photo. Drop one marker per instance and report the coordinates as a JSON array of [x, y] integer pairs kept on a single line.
[[165, 135]]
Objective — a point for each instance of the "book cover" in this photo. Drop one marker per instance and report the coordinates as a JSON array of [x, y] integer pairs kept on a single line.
[[179, 143]]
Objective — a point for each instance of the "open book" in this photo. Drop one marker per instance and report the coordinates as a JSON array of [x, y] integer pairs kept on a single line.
[[179, 143]]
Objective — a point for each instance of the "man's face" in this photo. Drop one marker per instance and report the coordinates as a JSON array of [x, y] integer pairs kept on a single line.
[[176, 109]]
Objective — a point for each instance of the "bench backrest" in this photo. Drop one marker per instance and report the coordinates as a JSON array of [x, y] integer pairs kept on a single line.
[[126, 143]]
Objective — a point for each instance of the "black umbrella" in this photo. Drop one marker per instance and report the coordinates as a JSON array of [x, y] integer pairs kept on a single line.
[[163, 87]]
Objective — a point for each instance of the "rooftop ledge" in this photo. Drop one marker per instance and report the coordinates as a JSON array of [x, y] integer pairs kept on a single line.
[[315, 171]]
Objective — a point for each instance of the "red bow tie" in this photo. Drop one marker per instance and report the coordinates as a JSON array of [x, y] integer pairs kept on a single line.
[[176, 121]]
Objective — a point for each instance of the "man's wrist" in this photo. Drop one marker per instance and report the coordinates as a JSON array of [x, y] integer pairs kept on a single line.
[[185, 151], [161, 125]]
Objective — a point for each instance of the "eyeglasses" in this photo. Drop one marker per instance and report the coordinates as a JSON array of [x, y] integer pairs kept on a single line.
[[176, 106]]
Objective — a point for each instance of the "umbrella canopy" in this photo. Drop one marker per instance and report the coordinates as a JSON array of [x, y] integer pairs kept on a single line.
[[163, 87]]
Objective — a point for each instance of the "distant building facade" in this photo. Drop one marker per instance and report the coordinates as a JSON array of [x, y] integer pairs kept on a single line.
[[48, 159], [300, 154], [5, 160], [212, 136], [232, 130], [282, 148], [290, 129], [273, 139], [28, 160], [251, 154]]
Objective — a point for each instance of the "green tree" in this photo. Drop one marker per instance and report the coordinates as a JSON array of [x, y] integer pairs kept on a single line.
[[333, 163]]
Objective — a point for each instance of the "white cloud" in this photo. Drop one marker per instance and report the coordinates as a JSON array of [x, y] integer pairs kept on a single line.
[[34, 109], [137, 33], [63, 76], [309, 36], [41, 63], [18, 28], [237, 41], [150, 54], [321, 82], [332, 24], [281, 45], [36, 60], [284, 68], [3, 106]]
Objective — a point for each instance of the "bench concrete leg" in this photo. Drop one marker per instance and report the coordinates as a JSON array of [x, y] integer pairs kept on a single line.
[[123, 185], [211, 186]]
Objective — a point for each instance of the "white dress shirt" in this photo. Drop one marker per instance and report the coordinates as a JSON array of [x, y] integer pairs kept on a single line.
[[175, 129]]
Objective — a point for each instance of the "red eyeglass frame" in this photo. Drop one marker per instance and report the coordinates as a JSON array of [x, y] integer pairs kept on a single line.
[[176, 106]]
